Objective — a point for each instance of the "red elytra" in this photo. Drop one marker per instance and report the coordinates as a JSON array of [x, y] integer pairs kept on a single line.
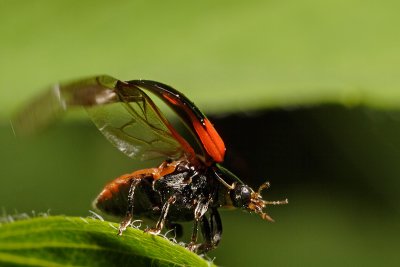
[[200, 126]]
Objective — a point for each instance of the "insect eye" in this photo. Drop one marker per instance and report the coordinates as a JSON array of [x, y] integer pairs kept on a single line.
[[241, 196]]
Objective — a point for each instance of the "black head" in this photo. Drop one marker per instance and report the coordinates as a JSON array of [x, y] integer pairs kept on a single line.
[[243, 196]]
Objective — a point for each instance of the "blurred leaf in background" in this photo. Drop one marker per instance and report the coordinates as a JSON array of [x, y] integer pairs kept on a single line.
[[266, 70]]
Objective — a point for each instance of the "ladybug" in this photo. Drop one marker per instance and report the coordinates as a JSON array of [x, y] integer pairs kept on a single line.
[[186, 186]]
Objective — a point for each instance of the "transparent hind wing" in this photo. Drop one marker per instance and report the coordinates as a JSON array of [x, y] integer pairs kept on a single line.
[[125, 115]]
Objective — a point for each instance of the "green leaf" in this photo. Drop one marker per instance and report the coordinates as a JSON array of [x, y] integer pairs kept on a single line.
[[74, 241]]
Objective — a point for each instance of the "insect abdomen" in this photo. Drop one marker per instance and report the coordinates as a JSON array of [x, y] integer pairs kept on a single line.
[[113, 199]]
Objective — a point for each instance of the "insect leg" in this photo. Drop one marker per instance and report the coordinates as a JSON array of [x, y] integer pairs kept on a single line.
[[212, 232], [206, 230], [219, 178], [161, 221], [129, 213], [192, 246], [199, 212], [193, 239], [217, 231]]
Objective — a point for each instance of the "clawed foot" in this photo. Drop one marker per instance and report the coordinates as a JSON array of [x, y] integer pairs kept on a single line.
[[199, 248], [122, 226], [153, 231], [192, 246]]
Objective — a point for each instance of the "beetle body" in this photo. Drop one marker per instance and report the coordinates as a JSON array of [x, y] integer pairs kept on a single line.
[[189, 185], [150, 193], [185, 194]]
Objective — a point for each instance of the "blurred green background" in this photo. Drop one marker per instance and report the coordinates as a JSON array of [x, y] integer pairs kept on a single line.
[[306, 94]]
